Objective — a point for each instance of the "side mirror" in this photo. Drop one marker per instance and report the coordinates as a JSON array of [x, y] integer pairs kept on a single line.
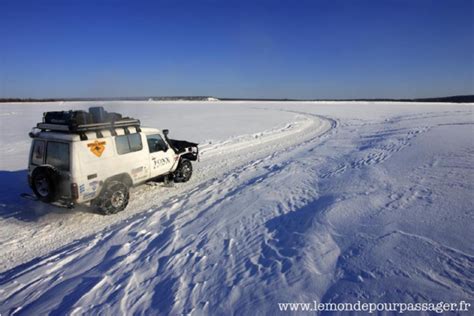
[[166, 132]]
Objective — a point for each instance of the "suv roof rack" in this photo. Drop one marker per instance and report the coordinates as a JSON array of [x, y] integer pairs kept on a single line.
[[128, 122], [93, 127]]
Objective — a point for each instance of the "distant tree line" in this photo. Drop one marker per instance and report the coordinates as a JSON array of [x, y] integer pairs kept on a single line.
[[170, 98], [27, 100], [450, 99]]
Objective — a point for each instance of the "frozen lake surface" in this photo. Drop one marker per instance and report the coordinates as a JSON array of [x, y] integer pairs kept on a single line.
[[291, 202]]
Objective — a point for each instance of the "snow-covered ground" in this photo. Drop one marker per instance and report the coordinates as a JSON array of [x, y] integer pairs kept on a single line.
[[291, 202]]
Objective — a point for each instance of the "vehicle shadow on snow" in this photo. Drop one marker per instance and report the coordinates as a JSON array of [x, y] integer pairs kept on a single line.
[[15, 183]]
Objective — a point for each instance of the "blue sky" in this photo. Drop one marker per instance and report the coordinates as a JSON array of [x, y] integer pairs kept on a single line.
[[272, 49]]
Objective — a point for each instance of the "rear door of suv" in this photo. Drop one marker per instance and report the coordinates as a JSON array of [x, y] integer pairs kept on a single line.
[[56, 154]]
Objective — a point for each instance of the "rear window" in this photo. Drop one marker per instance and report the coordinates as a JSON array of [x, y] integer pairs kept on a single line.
[[57, 155], [128, 143], [37, 154]]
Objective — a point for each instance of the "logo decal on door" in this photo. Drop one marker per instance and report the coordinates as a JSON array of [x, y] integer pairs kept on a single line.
[[97, 148]]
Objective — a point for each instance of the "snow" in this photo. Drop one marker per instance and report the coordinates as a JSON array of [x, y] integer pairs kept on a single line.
[[291, 202]]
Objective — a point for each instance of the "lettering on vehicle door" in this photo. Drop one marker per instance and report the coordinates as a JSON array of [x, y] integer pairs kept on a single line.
[[160, 162]]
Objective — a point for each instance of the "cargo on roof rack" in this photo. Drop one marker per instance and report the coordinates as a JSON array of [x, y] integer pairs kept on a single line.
[[79, 122]]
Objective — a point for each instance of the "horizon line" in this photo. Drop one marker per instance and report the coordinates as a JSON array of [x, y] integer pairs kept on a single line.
[[453, 98]]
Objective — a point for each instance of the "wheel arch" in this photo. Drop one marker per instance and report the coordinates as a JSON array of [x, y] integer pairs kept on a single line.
[[101, 200], [122, 177]]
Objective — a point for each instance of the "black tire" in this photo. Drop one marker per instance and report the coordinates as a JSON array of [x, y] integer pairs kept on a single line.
[[184, 171], [113, 198], [44, 182]]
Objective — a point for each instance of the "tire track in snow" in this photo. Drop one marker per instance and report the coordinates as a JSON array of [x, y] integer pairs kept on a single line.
[[376, 149]]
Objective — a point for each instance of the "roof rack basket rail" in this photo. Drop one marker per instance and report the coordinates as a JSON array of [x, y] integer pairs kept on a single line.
[[89, 127]]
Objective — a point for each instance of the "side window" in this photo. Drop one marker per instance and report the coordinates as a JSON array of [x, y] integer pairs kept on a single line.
[[122, 144], [57, 155], [37, 155], [135, 141], [128, 143], [156, 143]]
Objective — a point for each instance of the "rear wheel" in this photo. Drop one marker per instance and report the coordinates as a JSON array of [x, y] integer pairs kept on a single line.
[[44, 182], [113, 199], [184, 171]]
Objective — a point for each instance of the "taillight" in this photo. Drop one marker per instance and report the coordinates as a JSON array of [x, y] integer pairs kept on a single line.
[[74, 191]]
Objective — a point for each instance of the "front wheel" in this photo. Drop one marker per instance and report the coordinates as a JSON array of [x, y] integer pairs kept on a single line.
[[113, 199], [184, 171]]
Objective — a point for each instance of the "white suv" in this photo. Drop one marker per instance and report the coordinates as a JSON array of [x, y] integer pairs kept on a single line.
[[94, 157]]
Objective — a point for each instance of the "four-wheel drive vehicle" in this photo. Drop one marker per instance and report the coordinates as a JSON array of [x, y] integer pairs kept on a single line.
[[80, 157]]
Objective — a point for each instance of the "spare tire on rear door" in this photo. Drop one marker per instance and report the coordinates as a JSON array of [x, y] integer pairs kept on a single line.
[[44, 182]]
